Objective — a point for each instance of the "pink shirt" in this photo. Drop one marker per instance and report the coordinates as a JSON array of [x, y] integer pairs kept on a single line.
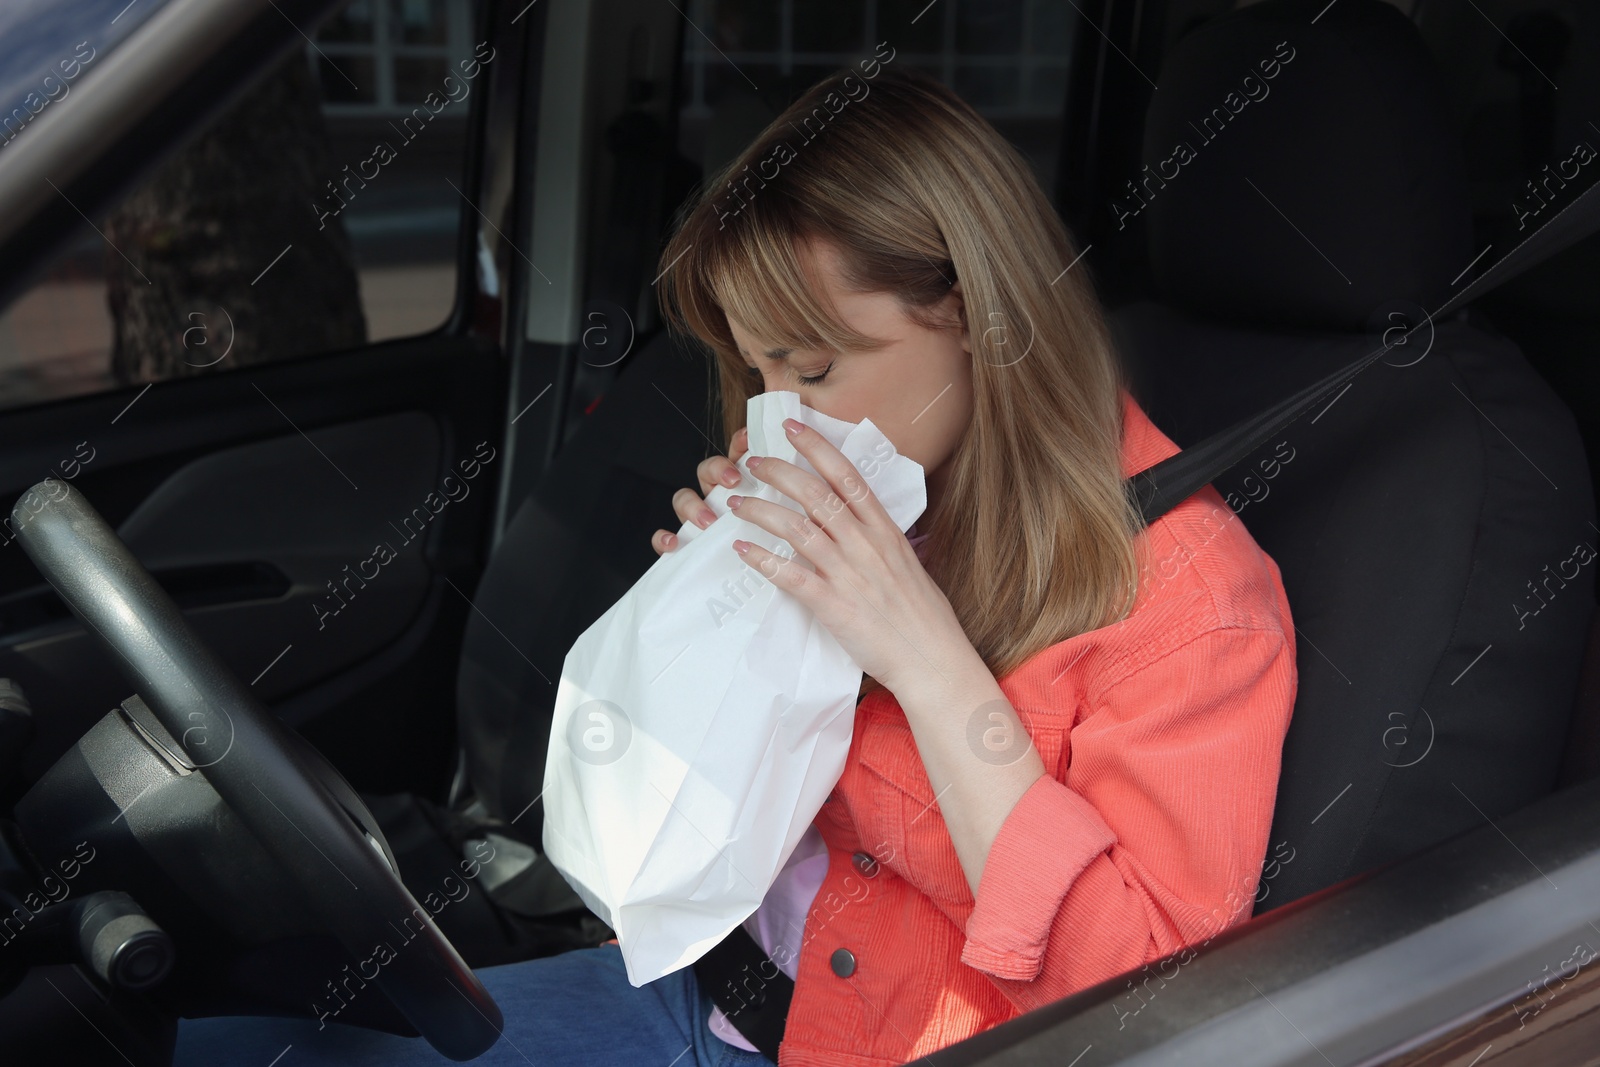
[[778, 923]]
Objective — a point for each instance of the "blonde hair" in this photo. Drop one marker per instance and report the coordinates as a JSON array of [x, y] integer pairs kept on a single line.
[[1035, 538]]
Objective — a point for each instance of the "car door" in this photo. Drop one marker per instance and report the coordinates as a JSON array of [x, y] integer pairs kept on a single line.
[[265, 345]]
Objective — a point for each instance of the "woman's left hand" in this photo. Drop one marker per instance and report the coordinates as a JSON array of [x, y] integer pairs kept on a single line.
[[867, 587]]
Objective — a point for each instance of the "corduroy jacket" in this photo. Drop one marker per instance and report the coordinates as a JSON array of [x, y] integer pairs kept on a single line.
[[1161, 737]]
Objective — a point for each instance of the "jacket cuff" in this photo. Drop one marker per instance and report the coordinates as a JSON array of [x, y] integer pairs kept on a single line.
[[1046, 841]]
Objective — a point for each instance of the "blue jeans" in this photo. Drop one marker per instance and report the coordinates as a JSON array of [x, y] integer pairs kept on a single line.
[[575, 1008]]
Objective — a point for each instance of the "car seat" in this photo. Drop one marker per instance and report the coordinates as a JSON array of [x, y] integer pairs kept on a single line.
[[572, 548], [1428, 520]]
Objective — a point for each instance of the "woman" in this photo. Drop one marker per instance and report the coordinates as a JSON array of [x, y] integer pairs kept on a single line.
[[1066, 753]]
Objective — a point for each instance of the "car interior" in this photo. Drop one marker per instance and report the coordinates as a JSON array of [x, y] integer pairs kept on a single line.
[[351, 552]]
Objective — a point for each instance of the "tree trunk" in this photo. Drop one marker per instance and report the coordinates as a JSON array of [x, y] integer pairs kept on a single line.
[[203, 292]]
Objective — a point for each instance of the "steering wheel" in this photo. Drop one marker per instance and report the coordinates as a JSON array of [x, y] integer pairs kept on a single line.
[[302, 811]]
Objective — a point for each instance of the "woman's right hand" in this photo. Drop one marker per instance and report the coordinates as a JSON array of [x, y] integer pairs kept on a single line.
[[691, 506]]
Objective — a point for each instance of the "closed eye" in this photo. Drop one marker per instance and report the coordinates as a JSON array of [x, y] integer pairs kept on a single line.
[[814, 380]]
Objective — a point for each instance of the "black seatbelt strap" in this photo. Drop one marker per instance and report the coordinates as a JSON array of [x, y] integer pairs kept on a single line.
[[752, 992], [1164, 485]]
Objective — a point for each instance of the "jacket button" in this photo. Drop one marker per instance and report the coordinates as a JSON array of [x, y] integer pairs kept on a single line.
[[866, 863], [843, 962]]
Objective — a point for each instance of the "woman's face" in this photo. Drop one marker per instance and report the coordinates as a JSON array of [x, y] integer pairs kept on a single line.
[[917, 388]]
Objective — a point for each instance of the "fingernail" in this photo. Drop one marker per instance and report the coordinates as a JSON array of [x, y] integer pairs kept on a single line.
[[669, 541], [741, 547], [791, 427], [706, 517], [735, 501], [730, 477], [752, 461]]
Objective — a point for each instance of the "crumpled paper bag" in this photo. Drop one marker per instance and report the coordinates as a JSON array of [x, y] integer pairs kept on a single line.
[[703, 720]]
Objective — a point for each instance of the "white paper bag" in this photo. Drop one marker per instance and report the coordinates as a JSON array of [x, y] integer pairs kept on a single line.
[[701, 723]]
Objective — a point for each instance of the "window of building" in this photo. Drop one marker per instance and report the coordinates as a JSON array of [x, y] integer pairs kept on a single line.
[[745, 60]]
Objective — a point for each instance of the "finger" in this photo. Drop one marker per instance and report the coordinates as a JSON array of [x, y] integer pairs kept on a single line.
[[741, 443], [818, 499], [806, 537], [663, 541], [718, 470], [839, 474], [786, 574], [691, 508]]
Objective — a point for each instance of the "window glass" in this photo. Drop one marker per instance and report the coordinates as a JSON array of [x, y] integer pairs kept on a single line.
[[318, 214], [1008, 58], [421, 22], [355, 23]]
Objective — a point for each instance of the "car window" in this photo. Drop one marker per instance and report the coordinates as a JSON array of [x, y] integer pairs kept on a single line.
[[317, 213], [750, 58]]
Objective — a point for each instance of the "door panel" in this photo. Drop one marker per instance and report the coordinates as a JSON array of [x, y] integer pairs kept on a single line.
[[261, 499], [341, 512]]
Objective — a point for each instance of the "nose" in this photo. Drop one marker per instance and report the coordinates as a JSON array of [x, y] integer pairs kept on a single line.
[[768, 387]]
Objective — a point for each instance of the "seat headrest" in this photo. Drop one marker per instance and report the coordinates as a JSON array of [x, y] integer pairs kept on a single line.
[[1300, 174]]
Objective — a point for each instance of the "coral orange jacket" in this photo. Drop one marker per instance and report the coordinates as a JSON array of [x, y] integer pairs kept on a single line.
[[1161, 736]]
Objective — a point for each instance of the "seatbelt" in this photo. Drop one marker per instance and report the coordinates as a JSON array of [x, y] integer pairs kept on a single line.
[[734, 974], [1164, 485], [741, 979]]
